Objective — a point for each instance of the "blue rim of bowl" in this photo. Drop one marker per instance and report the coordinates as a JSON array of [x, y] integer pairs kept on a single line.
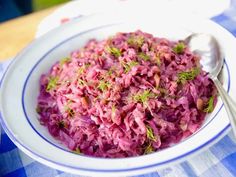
[[12, 137]]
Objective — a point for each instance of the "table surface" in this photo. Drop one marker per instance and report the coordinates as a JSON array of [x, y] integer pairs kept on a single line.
[[17, 33]]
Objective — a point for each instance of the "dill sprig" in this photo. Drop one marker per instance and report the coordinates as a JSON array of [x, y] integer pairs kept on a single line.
[[64, 60], [82, 69], [158, 60], [188, 75], [179, 48], [52, 83], [68, 110], [144, 96], [103, 85], [136, 41], [149, 149], [210, 105], [110, 71], [81, 82], [144, 56], [150, 134], [128, 66], [77, 151], [113, 51], [113, 111]]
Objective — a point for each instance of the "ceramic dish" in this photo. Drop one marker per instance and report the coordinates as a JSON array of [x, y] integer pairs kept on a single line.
[[20, 88]]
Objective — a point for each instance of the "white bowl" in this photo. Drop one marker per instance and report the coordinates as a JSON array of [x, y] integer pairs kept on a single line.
[[20, 88]]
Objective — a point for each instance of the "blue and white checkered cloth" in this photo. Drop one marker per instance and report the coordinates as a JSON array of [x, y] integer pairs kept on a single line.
[[218, 161]]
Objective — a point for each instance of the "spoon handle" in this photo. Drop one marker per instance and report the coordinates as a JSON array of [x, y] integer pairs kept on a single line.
[[229, 104]]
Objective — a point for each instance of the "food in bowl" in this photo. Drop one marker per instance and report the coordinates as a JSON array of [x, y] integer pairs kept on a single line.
[[128, 95]]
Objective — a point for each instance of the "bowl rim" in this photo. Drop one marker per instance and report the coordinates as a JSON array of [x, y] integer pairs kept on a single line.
[[72, 37]]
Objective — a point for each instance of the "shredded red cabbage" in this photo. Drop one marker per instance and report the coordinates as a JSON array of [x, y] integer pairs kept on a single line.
[[129, 95]]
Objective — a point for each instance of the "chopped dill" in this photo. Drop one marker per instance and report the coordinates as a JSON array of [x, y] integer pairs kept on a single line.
[[82, 69], [113, 111], [81, 82], [150, 134], [188, 75], [128, 66], [136, 41], [77, 151], [113, 51], [144, 96], [210, 105], [149, 149], [143, 56], [109, 72], [68, 110], [52, 83], [64, 60], [103, 85], [179, 48], [158, 60]]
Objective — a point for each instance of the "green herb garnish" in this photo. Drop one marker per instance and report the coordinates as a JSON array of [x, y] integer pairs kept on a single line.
[[143, 56], [81, 82], [64, 60], [144, 96], [77, 151], [103, 85], [149, 149], [52, 82], [113, 111], [188, 75], [150, 134], [127, 66], [158, 60], [87, 65], [136, 41], [179, 48], [210, 105], [109, 72], [81, 70], [113, 51], [68, 110]]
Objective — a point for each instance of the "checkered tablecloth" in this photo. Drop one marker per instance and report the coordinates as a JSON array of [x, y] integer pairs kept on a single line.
[[217, 161]]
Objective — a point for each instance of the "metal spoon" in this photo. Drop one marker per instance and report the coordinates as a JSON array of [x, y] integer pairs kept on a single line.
[[206, 46]]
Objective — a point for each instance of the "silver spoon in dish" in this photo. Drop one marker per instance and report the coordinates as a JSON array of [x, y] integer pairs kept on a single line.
[[206, 46]]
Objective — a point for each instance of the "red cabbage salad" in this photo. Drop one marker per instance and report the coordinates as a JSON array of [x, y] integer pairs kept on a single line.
[[128, 95]]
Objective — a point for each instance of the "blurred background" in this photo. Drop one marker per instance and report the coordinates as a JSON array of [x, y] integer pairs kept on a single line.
[[10, 9]]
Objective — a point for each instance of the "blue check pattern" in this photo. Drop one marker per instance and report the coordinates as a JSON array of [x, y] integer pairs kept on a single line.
[[217, 161]]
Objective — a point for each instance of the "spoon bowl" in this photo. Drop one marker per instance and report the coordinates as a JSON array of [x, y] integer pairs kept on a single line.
[[207, 47]]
